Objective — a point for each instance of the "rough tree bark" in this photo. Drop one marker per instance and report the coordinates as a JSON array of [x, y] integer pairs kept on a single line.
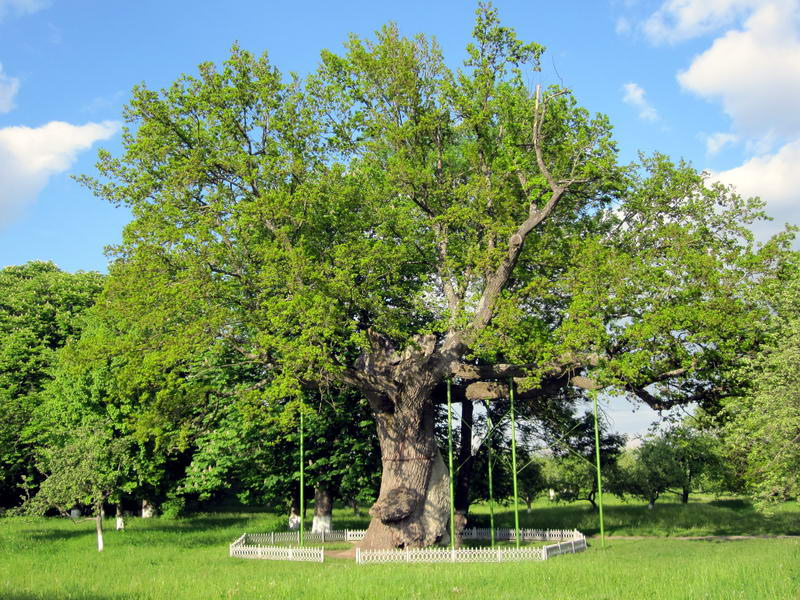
[[413, 503]]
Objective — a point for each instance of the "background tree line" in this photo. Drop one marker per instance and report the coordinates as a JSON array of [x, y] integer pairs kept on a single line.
[[69, 417]]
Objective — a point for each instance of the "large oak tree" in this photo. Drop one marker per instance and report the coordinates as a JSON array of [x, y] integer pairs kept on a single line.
[[388, 223]]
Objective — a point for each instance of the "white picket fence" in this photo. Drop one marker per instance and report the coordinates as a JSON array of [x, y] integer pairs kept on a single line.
[[566, 547], [529, 535], [459, 555], [262, 545], [570, 541], [293, 537], [244, 548]]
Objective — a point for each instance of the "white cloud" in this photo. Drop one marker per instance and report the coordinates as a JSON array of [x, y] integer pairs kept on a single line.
[[21, 7], [775, 178], [30, 156], [634, 96], [753, 70], [678, 20], [717, 141], [9, 86], [755, 73]]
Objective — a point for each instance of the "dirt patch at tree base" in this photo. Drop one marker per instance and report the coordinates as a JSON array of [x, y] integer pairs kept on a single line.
[[349, 554]]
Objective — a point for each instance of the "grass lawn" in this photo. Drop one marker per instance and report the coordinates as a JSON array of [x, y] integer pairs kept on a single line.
[[187, 559], [701, 516]]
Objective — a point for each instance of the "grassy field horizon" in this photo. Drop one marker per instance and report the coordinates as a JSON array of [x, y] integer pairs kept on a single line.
[[187, 558]]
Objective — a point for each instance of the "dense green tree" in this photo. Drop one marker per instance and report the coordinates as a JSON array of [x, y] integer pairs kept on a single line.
[[86, 465], [387, 223], [192, 438], [762, 427], [676, 459], [698, 457], [40, 309], [649, 471], [253, 451]]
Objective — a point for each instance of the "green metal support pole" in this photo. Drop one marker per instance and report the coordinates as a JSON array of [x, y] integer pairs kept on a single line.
[[302, 478], [452, 473], [599, 477], [489, 463], [514, 461]]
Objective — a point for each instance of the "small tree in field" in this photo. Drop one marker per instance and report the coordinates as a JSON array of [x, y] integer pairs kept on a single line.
[[697, 454], [87, 467], [674, 460], [649, 471]]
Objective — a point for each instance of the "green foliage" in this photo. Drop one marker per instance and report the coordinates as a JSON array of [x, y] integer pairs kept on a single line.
[[87, 467], [572, 470], [41, 308], [256, 454], [649, 471], [677, 459], [763, 426], [290, 215], [279, 219]]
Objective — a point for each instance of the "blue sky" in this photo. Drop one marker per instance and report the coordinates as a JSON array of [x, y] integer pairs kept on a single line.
[[714, 81]]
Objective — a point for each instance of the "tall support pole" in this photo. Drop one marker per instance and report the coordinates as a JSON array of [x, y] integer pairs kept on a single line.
[[514, 461], [302, 479], [599, 477], [489, 463], [450, 463]]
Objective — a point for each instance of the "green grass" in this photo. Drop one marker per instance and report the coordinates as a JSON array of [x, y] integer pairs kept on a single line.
[[700, 517], [187, 559]]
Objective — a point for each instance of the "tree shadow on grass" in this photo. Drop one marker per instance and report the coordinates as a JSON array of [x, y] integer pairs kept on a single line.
[[191, 524], [52, 535]]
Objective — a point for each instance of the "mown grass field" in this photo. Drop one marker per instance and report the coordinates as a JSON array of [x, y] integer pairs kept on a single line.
[[187, 559]]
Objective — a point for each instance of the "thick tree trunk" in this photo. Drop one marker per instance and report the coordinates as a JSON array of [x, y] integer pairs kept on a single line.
[[323, 509], [412, 509], [685, 495]]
